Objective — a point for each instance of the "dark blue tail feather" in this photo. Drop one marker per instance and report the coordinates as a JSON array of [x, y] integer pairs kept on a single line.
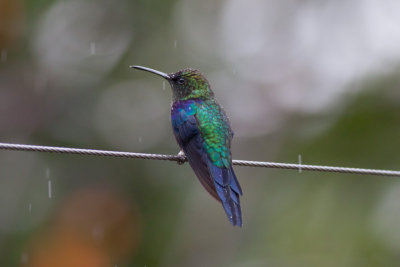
[[228, 190]]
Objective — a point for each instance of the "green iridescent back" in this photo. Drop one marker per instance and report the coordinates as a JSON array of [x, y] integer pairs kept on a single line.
[[216, 132]]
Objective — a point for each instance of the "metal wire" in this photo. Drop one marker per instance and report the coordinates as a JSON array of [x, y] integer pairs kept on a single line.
[[180, 159]]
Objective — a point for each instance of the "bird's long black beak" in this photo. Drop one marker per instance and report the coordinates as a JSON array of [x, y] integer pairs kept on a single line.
[[162, 74]]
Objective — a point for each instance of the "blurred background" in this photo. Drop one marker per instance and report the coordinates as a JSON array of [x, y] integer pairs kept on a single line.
[[319, 79]]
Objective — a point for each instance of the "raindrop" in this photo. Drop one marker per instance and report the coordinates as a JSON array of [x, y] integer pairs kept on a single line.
[[175, 43], [49, 188], [3, 55], [30, 208], [49, 181], [299, 163], [140, 139], [163, 85], [92, 48]]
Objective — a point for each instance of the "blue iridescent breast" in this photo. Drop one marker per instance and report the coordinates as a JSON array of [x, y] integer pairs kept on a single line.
[[182, 110]]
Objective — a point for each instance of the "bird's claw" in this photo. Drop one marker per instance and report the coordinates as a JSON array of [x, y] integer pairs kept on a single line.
[[181, 157]]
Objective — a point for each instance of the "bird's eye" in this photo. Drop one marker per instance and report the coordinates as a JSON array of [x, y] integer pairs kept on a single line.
[[181, 81]]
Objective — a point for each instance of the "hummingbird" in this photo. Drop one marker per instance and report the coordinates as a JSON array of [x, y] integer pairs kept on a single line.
[[203, 132]]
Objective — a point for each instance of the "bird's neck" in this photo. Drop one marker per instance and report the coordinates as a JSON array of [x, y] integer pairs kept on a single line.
[[194, 99]]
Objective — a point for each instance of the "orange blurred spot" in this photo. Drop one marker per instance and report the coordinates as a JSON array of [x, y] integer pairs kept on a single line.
[[93, 227], [11, 21], [67, 250]]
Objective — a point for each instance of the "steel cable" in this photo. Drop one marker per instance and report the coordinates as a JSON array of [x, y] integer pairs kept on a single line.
[[181, 159]]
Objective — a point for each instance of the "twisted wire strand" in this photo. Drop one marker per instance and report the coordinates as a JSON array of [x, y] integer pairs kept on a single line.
[[180, 159]]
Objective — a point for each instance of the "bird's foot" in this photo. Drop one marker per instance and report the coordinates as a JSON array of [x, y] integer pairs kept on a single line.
[[181, 157]]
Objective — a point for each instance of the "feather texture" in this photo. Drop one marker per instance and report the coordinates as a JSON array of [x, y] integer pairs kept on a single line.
[[202, 131]]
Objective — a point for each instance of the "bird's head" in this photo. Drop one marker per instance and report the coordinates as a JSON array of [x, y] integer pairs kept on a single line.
[[186, 84]]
